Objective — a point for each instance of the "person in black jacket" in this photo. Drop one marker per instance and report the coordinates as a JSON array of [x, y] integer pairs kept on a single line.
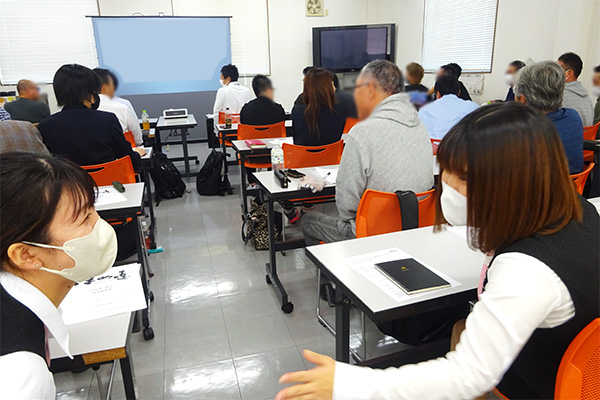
[[304, 72], [454, 70], [319, 120], [345, 98], [80, 132], [262, 110]]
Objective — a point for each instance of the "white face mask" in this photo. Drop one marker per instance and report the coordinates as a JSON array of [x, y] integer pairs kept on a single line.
[[222, 83], [509, 79], [94, 254], [596, 91], [454, 206]]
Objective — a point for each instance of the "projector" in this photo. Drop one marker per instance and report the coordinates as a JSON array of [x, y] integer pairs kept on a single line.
[[175, 113]]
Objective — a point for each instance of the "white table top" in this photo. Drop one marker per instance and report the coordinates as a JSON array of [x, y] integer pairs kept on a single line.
[[188, 122], [134, 193], [234, 127], [267, 180], [444, 251], [151, 120], [596, 202], [240, 145]]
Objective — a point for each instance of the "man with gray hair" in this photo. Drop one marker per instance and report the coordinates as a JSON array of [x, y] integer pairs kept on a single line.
[[541, 85], [28, 106], [388, 150]]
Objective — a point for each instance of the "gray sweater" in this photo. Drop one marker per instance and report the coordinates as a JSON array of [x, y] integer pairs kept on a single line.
[[576, 97], [388, 151]]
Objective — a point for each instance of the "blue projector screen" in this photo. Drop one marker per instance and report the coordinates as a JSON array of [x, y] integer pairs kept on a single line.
[[152, 55]]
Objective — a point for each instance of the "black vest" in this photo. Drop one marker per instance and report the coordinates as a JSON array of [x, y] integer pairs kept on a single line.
[[20, 328], [573, 254]]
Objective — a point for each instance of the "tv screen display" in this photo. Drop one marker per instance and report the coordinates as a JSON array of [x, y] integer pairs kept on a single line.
[[352, 49]]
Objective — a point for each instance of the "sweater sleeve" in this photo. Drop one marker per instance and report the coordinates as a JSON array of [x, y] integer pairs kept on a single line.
[[120, 145], [351, 181]]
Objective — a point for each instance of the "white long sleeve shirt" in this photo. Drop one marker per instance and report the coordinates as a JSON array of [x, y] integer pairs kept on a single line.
[[521, 295], [127, 118], [233, 96]]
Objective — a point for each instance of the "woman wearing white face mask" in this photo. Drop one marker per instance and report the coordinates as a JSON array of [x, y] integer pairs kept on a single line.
[[509, 77], [505, 175], [51, 237]]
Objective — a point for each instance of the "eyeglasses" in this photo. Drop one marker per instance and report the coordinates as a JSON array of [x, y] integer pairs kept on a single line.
[[361, 85]]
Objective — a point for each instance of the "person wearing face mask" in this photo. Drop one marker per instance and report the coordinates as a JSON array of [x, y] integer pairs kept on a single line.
[[509, 78], [575, 96], [596, 93], [231, 95], [535, 296], [50, 238], [79, 131]]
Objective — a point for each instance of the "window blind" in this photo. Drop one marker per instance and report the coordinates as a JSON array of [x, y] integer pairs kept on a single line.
[[459, 31], [38, 36], [249, 29]]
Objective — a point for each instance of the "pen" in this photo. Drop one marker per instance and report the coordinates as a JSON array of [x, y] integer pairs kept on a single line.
[[326, 175]]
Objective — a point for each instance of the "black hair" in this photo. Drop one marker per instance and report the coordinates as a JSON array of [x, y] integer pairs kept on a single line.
[[114, 79], [230, 71], [447, 85], [452, 69], [336, 81], [597, 69], [306, 69], [28, 209], [74, 83], [104, 74], [573, 61], [261, 84], [518, 64]]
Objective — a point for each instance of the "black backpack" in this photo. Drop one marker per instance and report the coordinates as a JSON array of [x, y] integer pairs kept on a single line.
[[167, 178], [212, 178]]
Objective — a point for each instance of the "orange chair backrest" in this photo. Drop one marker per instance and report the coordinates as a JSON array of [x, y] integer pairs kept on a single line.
[[235, 118], [129, 137], [119, 170], [434, 145], [249, 132], [295, 156], [578, 375], [590, 132], [350, 122], [580, 178], [379, 212]]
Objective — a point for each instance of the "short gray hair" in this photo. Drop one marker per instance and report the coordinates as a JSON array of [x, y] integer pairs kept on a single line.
[[387, 75], [542, 84]]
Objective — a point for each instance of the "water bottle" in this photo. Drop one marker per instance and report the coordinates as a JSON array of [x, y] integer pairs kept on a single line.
[[145, 121], [277, 157], [227, 118]]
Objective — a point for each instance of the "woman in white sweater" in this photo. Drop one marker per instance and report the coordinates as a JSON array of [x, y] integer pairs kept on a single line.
[[505, 176]]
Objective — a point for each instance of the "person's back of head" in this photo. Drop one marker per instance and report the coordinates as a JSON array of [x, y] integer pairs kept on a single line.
[[447, 85], [306, 69], [28, 90], [541, 85], [378, 80], [262, 86], [107, 85], [414, 73], [318, 92], [76, 85], [572, 65], [229, 73], [336, 81], [452, 69]]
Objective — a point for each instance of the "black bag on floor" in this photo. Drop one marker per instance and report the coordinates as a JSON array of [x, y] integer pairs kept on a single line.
[[167, 178], [212, 178], [256, 226]]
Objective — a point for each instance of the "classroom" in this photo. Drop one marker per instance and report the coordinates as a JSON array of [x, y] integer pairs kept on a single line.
[[299, 199]]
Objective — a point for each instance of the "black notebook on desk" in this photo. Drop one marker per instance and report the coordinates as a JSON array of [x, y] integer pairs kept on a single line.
[[411, 276]]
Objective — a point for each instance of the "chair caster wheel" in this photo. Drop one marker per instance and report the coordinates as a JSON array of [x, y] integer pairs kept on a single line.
[[197, 162], [268, 279], [287, 307], [151, 295], [153, 245], [148, 333]]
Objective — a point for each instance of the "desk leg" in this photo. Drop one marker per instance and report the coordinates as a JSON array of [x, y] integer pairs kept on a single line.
[[128, 375], [342, 327], [184, 144], [244, 185], [157, 140], [271, 267], [148, 188], [146, 273]]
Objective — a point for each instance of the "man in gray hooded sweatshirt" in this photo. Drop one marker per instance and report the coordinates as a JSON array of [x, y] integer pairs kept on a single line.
[[576, 97], [389, 150]]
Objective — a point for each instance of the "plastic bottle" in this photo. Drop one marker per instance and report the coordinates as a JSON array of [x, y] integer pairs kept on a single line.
[[145, 121], [277, 157], [227, 118]]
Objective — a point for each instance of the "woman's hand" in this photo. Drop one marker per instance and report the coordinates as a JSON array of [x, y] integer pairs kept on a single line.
[[315, 384]]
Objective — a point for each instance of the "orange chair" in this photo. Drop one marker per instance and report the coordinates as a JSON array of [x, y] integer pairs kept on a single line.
[[590, 133], [434, 145], [295, 156], [119, 170], [578, 375], [581, 178], [129, 137], [350, 122], [379, 212], [249, 132]]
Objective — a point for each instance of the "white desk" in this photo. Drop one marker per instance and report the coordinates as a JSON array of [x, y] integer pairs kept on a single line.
[[444, 251], [182, 125], [234, 127], [134, 192], [241, 147], [267, 182], [596, 202]]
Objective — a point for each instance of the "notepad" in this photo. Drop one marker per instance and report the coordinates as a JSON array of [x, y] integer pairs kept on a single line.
[[256, 144], [411, 276]]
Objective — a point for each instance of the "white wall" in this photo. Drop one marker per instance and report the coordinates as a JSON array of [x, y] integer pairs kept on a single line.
[[128, 7]]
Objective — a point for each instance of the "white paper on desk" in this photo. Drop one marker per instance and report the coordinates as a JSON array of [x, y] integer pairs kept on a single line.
[[460, 231], [365, 265], [327, 173], [108, 195], [115, 292]]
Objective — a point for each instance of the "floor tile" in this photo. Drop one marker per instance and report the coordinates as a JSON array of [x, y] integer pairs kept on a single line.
[[305, 328], [67, 381], [211, 381], [250, 305], [246, 280], [196, 347], [192, 315], [148, 356], [325, 347], [258, 335], [75, 394]]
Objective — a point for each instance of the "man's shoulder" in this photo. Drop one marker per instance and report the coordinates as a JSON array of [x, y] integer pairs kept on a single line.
[[21, 126]]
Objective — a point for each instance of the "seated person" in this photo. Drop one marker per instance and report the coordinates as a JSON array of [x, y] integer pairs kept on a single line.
[[441, 115], [509, 78], [576, 97], [127, 118], [344, 98], [453, 70], [388, 151], [541, 85], [262, 110], [232, 95], [414, 75], [304, 72], [121, 100], [596, 93], [21, 136], [28, 106], [80, 132], [540, 290], [319, 120], [4, 115]]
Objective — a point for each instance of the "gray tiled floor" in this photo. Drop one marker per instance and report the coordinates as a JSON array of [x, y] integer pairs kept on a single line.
[[219, 329]]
